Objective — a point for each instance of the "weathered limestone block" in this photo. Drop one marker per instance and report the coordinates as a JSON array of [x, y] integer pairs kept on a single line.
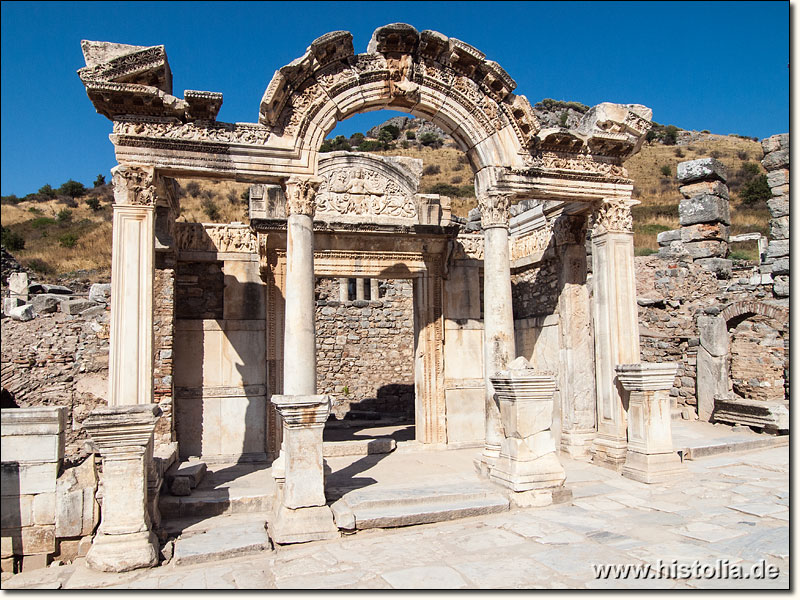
[[722, 267], [778, 178], [712, 380], [755, 413], [779, 228], [33, 435], [10, 303], [700, 169], [651, 458], [46, 303], [18, 285], [302, 515], [704, 209], [775, 142], [527, 458], [77, 511], [37, 539], [666, 237], [703, 232], [713, 334], [124, 437], [706, 249], [44, 508], [778, 248], [77, 306], [21, 313], [780, 190], [180, 486], [781, 286], [715, 188], [267, 201], [780, 266], [100, 292], [776, 160]]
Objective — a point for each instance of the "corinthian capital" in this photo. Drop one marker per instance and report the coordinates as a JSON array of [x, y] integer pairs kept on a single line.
[[300, 192], [494, 209], [134, 185], [612, 216]]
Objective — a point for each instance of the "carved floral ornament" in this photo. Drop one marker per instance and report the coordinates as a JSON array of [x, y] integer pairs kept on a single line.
[[215, 238], [494, 209], [134, 185], [612, 216], [300, 193]]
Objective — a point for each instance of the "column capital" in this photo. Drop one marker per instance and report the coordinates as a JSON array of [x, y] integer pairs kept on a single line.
[[122, 431], [613, 216], [134, 185], [494, 209], [569, 229], [301, 412], [641, 377], [300, 193]]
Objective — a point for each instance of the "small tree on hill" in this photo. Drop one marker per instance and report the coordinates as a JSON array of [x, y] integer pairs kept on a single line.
[[47, 191], [100, 180], [755, 191], [72, 188]]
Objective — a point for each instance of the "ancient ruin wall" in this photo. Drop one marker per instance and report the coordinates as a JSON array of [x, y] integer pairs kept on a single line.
[[534, 289], [365, 349]]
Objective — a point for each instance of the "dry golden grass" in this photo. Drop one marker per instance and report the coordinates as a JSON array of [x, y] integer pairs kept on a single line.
[[226, 196]]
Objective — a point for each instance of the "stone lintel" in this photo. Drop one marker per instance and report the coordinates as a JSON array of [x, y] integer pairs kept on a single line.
[[647, 376], [38, 420]]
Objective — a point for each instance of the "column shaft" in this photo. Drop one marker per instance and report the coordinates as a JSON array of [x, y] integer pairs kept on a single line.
[[360, 288]]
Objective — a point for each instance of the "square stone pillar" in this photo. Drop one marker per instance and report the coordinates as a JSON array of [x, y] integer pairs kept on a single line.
[[713, 363], [616, 325], [527, 458], [132, 268], [650, 457], [498, 317], [124, 437], [302, 515]]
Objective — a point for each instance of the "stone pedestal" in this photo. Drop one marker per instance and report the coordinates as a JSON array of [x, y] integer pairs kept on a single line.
[[616, 325], [498, 318], [124, 437], [650, 457], [301, 515], [527, 459]]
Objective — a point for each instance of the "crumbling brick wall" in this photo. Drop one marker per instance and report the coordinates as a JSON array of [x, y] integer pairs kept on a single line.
[[365, 349], [534, 289]]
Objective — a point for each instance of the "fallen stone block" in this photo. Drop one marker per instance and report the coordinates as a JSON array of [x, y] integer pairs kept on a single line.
[[10, 303], [180, 486], [721, 266], [705, 231], [44, 304], [77, 511], [76, 307], [46, 288], [100, 292], [755, 413], [359, 447], [192, 472], [18, 285], [222, 542], [706, 249], [21, 313], [715, 188], [704, 209], [701, 168]]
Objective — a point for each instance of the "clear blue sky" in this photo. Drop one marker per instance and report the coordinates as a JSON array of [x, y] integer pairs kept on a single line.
[[721, 66]]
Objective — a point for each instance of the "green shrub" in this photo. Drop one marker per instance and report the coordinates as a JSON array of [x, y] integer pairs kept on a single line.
[[370, 146], [72, 188], [679, 153], [741, 154], [42, 222], [562, 120], [69, 239], [47, 191], [392, 131], [34, 210], [666, 171], [456, 180], [245, 196], [10, 199], [357, 138], [550, 104], [326, 146], [99, 180], [11, 239], [404, 145], [40, 266], [411, 134], [431, 170], [430, 139], [755, 191], [211, 209], [64, 215], [193, 189], [670, 135], [443, 189], [93, 203]]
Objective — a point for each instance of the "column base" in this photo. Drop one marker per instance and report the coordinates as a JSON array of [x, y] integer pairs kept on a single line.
[[577, 444], [297, 525], [126, 552], [540, 498], [653, 468], [521, 476], [609, 452], [487, 460]]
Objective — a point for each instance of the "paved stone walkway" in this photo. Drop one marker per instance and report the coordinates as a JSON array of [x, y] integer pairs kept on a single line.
[[732, 508]]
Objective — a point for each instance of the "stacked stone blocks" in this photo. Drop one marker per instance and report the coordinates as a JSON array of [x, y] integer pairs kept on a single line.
[[776, 162], [704, 217]]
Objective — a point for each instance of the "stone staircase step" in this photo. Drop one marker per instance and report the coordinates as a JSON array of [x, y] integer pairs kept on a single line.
[[362, 447], [727, 447], [193, 471], [208, 503], [414, 505], [187, 527], [224, 541]]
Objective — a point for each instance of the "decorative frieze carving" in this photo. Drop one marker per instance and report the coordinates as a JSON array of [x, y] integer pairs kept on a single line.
[[300, 193], [612, 217], [469, 246], [228, 133], [364, 192], [569, 230], [535, 242], [494, 209], [134, 185], [215, 238], [583, 163]]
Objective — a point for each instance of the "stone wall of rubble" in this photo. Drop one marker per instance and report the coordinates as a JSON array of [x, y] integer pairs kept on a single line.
[[534, 289], [776, 162], [365, 349], [163, 335]]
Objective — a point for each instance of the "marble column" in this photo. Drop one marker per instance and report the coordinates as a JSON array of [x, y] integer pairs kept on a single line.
[[373, 289], [360, 295], [302, 515], [576, 355], [498, 318], [650, 457], [299, 350], [132, 268], [616, 325], [124, 437], [343, 291]]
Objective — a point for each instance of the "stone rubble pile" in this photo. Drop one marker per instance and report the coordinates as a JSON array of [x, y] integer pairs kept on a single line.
[[704, 217], [776, 162], [27, 299]]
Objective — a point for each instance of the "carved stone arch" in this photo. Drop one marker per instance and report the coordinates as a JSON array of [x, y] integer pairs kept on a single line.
[[423, 73], [745, 308]]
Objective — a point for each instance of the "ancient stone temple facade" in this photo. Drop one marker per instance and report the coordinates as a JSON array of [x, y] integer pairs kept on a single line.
[[233, 364]]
